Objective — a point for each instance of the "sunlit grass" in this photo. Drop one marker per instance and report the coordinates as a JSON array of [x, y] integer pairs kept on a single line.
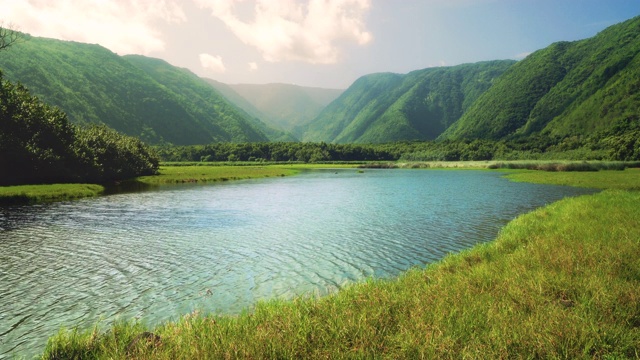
[[171, 174], [41, 193], [560, 282], [628, 179]]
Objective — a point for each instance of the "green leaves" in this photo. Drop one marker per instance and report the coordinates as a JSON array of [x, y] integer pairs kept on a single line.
[[39, 145]]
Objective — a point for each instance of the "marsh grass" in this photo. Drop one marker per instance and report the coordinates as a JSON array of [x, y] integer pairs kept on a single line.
[[628, 179], [203, 174], [28, 194], [560, 282], [565, 165]]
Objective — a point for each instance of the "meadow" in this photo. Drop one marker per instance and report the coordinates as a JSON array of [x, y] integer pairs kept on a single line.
[[560, 282]]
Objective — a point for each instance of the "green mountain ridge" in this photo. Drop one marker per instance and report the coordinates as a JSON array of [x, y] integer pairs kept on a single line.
[[388, 107], [587, 90], [566, 89], [159, 104]]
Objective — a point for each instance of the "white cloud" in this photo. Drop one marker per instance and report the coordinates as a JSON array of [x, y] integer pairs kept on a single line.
[[212, 63], [123, 26], [286, 30], [522, 55], [253, 66]]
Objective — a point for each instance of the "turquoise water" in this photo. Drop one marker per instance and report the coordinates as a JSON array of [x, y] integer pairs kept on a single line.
[[220, 248]]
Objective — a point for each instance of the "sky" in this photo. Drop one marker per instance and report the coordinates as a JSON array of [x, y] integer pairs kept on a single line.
[[319, 43]]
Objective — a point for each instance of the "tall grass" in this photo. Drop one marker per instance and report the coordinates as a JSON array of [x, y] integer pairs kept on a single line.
[[560, 282], [195, 174]]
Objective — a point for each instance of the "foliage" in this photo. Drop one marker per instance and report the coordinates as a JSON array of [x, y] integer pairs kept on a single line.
[[567, 275], [36, 140], [39, 145], [8, 37], [110, 156], [619, 144]]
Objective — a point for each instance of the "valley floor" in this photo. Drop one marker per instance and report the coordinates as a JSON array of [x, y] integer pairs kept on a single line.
[[560, 282]]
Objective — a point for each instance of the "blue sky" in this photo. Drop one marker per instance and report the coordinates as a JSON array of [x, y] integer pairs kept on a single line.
[[323, 43]]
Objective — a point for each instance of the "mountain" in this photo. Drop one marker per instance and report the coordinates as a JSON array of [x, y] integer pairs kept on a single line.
[[568, 88], [146, 98], [285, 106], [205, 100], [388, 107]]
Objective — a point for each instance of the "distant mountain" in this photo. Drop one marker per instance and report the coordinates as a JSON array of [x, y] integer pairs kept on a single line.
[[389, 107], [285, 106], [568, 88], [138, 96], [273, 130]]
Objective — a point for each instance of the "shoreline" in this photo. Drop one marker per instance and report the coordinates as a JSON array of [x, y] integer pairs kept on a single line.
[[216, 172]]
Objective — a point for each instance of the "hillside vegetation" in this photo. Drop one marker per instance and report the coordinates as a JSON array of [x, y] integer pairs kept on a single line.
[[147, 99], [416, 106], [567, 89]]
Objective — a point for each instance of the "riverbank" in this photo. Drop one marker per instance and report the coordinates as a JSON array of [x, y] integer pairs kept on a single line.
[[175, 173], [560, 282], [168, 174]]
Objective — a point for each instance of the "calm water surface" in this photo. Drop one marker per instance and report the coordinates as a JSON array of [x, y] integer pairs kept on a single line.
[[220, 248]]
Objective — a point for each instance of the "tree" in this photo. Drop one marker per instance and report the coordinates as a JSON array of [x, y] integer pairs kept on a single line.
[[8, 37]]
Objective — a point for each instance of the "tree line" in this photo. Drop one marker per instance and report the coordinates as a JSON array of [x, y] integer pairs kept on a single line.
[[39, 145], [620, 143]]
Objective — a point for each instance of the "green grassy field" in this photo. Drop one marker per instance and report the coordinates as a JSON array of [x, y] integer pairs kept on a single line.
[[560, 282], [26, 194]]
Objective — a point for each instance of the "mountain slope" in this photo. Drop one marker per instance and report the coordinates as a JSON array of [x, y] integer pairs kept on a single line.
[[286, 106], [416, 106], [568, 88], [204, 100], [93, 85]]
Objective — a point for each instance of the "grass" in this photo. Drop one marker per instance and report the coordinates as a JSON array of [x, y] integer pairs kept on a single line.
[[211, 172], [196, 174], [560, 282], [28, 194], [628, 179]]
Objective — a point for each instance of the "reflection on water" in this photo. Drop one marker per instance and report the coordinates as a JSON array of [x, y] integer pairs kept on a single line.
[[220, 248]]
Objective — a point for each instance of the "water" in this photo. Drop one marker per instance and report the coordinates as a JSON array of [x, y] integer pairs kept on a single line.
[[219, 248]]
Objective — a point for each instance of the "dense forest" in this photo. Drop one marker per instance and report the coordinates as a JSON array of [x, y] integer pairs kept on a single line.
[[621, 143], [39, 145]]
